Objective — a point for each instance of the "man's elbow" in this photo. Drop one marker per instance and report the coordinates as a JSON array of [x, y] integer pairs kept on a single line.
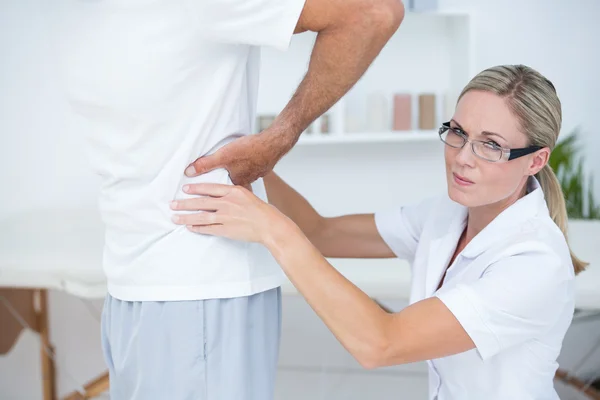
[[381, 16], [385, 15]]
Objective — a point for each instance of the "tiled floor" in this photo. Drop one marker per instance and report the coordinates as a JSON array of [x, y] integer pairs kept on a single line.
[[313, 365], [317, 385]]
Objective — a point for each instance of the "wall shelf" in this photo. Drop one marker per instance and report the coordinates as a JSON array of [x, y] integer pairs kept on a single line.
[[431, 54], [370, 137]]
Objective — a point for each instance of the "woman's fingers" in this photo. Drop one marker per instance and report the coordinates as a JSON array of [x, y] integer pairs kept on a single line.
[[214, 230], [201, 218], [197, 204], [223, 210], [208, 189]]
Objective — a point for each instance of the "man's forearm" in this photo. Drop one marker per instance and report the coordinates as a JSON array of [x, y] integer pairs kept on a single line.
[[340, 56], [351, 33]]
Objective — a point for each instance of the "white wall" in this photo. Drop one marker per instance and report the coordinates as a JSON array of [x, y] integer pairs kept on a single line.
[[42, 164], [560, 39], [41, 143]]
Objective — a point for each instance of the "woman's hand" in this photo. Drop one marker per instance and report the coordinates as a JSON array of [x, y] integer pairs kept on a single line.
[[228, 211]]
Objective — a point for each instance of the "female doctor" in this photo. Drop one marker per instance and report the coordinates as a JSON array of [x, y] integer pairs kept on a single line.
[[492, 288]]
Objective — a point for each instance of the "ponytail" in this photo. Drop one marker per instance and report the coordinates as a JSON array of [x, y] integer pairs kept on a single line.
[[557, 207]]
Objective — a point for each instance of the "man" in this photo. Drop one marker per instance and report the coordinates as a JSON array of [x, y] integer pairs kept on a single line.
[[163, 82]]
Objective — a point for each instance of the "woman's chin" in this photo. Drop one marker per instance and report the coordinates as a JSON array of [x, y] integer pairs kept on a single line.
[[460, 197]]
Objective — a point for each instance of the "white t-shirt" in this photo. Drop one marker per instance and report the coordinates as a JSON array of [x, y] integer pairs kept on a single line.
[[511, 288], [163, 82]]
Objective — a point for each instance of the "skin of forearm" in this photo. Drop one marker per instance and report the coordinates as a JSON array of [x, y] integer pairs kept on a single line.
[[346, 236], [354, 318], [340, 56], [293, 205]]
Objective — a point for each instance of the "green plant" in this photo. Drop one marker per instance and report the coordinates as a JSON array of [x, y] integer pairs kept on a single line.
[[567, 162]]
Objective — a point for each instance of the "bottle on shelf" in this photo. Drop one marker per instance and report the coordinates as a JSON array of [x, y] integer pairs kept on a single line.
[[402, 112], [378, 119], [427, 111]]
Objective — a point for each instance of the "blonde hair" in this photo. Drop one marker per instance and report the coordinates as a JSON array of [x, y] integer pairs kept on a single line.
[[533, 100]]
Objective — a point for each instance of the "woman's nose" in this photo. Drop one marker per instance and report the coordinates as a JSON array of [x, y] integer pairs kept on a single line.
[[465, 155]]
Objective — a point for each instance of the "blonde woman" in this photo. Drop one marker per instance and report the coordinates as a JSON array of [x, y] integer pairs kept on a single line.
[[492, 290]]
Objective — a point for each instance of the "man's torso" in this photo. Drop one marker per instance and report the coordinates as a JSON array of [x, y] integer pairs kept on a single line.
[[158, 95]]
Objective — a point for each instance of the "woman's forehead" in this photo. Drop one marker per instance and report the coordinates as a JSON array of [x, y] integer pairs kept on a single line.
[[478, 112]]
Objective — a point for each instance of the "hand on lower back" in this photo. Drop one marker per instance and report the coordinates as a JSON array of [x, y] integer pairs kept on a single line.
[[246, 159]]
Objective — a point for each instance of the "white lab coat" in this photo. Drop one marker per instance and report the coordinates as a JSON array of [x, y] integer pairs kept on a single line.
[[511, 289]]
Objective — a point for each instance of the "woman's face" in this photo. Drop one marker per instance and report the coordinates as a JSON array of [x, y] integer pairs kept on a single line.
[[475, 182]]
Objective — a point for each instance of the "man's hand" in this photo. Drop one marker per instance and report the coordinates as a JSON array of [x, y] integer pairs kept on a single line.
[[351, 33], [247, 158]]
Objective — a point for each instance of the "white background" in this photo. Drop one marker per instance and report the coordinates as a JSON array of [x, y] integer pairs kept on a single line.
[[42, 164]]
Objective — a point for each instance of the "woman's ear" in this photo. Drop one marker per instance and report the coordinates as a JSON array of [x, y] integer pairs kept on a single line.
[[539, 160]]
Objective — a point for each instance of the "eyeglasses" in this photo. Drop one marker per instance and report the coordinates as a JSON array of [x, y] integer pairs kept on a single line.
[[487, 150]]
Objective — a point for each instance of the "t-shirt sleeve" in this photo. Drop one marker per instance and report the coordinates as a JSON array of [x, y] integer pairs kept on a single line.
[[401, 227], [517, 299], [252, 22]]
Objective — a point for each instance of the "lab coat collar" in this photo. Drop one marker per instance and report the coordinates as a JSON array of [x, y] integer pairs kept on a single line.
[[533, 203], [442, 248]]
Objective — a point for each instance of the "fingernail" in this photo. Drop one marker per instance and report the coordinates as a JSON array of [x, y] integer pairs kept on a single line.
[[175, 218], [174, 204], [186, 188], [190, 170]]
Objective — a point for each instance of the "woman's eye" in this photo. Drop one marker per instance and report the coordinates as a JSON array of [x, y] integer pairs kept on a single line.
[[458, 132], [492, 144]]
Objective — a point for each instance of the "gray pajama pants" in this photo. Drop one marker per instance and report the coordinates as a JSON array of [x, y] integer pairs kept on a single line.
[[221, 349]]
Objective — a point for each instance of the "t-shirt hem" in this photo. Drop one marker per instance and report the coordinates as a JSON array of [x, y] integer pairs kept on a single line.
[[197, 292], [287, 28]]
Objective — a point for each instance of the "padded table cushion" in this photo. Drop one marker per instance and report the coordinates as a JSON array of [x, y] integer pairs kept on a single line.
[[54, 249]]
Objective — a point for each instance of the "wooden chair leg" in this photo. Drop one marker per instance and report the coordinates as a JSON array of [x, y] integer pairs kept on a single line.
[[75, 396], [97, 386], [47, 351], [578, 384], [92, 389]]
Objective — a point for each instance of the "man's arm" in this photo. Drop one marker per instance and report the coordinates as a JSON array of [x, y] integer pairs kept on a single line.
[[351, 33]]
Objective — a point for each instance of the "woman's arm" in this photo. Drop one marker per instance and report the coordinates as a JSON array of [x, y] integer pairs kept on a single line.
[[348, 236], [424, 330]]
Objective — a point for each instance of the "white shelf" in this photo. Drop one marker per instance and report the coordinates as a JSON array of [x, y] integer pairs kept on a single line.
[[430, 54], [369, 137], [439, 13]]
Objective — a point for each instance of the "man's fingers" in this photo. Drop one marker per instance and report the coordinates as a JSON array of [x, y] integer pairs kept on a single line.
[[204, 164], [244, 177]]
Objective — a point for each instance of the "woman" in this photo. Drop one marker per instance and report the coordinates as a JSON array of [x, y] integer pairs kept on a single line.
[[492, 291]]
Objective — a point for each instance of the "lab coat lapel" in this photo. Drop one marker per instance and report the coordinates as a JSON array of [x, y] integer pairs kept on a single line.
[[441, 250], [453, 221], [504, 224]]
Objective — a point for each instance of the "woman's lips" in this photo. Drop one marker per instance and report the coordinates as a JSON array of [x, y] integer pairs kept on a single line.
[[461, 180]]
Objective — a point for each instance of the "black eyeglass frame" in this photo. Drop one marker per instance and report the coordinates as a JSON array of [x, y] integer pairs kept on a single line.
[[507, 154]]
